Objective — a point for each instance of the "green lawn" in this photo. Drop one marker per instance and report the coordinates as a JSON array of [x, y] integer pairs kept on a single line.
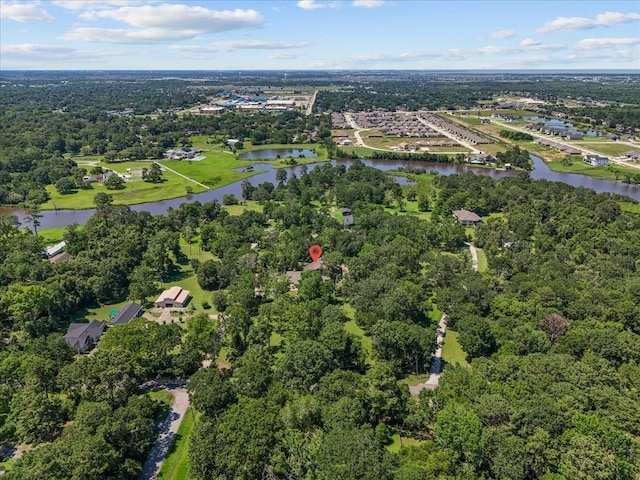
[[176, 466], [482, 260], [612, 172], [413, 379], [410, 208], [102, 313], [452, 351], [629, 207], [216, 170], [352, 327], [52, 235], [360, 151], [611, 148], [398, 442], [135, 191], [246, 205], [186, 276]]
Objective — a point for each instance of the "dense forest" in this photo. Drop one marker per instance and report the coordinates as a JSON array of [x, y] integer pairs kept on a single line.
[[446, 94], [550, 327], [46, 119], [43, 125]]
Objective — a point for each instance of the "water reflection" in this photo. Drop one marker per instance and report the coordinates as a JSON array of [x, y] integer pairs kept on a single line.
[[274, 153], [541, 171]]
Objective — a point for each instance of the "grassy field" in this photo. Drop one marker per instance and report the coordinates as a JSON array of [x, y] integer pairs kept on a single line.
[[52, 235], [612, 172], [352, 327], [246, 205], [216, 170], [452, 351], [482, 260], [611, 149], [360, 151], [398, 442], [102, 312], [135, 191], [176, 466], [629, 207]]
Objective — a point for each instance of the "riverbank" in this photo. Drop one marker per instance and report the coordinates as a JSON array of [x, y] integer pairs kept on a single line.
[[180, 177], [618, 173]]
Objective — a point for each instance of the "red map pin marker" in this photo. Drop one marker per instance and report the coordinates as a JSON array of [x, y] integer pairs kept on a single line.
[[316, 252]]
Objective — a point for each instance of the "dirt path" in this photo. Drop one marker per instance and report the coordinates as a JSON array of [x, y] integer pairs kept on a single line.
[[168, 431], [436, 364], [183, 176]]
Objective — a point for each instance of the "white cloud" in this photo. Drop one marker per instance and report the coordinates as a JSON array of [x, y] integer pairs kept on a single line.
[[529, 42], [23, 12], [31, 51], [596, 43], [121, 35], [77, 5], [607, 19], [240, 45], [493, 50], [315, 4], [503, 34], [368, 3], [162, 23], [283, 56], [180, 17]]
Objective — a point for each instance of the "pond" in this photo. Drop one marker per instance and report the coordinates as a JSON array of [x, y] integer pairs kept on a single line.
[[273, 153], [554, 122], [266, 173]]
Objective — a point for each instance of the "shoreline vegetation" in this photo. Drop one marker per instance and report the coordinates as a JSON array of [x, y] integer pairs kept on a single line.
[[221, 167], [180, 178]]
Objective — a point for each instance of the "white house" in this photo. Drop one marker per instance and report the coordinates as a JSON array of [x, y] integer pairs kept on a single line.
[[596, 160]]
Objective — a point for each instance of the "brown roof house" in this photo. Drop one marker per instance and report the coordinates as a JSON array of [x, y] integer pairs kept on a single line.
[[295, 276], [175, 297], [83, 336], [467, 218]]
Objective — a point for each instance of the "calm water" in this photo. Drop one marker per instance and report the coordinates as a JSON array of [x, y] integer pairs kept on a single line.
[[272, 154], [554, 122], [266, 173]]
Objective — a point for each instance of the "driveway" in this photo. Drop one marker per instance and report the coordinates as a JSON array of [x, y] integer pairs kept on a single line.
[[436, 363], [168, 431]]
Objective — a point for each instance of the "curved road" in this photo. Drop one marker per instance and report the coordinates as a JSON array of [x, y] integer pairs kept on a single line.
[[436, 364], [168, 431]]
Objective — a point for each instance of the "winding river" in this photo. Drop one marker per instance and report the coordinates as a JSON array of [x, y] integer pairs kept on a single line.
[[61, 218]]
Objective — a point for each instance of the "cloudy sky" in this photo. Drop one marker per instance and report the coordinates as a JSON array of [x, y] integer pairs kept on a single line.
[[318, 34]]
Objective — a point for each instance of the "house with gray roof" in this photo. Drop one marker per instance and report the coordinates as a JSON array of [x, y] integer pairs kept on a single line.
[[84, 336], [126, 314]]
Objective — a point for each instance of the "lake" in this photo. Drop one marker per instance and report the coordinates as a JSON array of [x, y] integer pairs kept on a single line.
[[266, 173], [554, 122], [273, 153]]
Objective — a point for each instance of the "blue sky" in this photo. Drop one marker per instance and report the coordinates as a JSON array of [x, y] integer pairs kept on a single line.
[[319, 34]]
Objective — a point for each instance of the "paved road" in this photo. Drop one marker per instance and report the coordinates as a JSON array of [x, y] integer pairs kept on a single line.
[[436, 363], [312, 100], [585, 151], [464, 143], [168, 431]]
